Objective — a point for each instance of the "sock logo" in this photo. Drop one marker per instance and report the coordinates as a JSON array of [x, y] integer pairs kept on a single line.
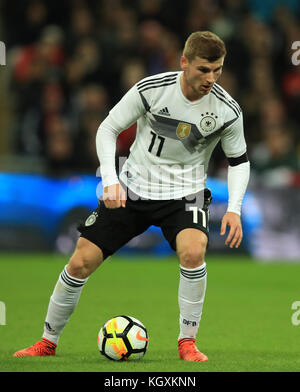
[[48, 327], [188, 322]]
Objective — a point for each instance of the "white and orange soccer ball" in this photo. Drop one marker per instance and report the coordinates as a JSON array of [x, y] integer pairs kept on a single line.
[[123, 338]]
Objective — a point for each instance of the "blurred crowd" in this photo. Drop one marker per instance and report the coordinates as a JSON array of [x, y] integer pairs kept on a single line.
[[72, 60]]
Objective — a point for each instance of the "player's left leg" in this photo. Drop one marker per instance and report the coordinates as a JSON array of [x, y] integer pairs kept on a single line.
[[191, 247]]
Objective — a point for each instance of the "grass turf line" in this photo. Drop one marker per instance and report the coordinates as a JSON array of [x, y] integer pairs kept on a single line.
[[246, 323]]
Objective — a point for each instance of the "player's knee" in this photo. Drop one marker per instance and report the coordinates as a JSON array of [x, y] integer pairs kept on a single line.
[[192, 257], [84, 260], [78, 266]]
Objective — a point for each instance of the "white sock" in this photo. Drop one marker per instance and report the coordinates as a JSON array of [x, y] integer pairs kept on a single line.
[[191, 294], [62, 304]]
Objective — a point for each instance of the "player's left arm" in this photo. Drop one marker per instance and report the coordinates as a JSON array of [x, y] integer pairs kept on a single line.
[[234, 147]]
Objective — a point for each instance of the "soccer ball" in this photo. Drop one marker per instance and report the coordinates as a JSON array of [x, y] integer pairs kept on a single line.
[[123, 338]]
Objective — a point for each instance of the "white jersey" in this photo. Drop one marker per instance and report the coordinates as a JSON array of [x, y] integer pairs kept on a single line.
[[175, 137]]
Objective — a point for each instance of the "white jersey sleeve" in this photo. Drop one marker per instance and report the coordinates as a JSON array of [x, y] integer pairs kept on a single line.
[[121, 117], [234, 145], [127, 111], [233, 140]]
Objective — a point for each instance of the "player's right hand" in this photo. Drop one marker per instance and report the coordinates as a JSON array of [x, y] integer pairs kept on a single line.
[[114, 196]]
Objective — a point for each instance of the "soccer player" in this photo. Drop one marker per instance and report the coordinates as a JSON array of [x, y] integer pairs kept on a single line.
[[181, 116]]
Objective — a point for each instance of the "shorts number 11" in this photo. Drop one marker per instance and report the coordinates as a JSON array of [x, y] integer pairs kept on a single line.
[[195, 215]]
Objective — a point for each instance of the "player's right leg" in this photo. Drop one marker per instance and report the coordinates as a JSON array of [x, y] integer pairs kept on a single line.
[[85, 260]]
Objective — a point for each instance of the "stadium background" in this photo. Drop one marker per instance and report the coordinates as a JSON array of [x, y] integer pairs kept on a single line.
[[67, 64]]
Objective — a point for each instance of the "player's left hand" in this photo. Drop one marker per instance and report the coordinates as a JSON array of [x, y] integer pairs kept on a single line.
[[235, 234]]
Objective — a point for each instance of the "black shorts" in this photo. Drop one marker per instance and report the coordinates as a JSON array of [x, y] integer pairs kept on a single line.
[[110, 229]]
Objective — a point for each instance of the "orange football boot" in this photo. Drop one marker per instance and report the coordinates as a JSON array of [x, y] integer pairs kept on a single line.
[[188, 351], [41, 348]]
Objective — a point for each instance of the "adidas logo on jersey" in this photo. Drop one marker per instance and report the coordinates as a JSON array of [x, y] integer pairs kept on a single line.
[[164, 111]]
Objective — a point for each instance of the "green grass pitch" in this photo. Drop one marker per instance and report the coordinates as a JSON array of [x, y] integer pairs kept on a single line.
[[246, 324]]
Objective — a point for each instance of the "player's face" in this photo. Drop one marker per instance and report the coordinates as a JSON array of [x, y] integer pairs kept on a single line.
[[199, 76]]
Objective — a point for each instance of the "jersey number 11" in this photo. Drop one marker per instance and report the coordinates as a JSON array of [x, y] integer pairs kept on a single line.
[[161, 143]]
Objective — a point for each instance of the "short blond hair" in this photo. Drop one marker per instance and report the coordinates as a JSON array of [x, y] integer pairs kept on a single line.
[[204, 44]]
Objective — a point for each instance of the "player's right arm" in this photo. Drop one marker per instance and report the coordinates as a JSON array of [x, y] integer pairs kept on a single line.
[[121, 117], [114, 196]]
